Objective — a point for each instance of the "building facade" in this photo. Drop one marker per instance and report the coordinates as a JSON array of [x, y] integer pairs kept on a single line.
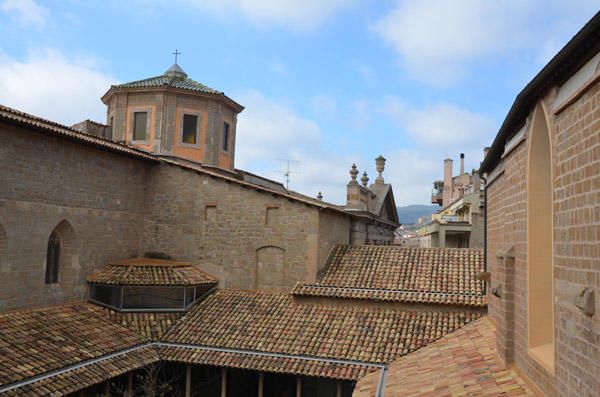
[[460, 222], [543, 200], [104, 199]]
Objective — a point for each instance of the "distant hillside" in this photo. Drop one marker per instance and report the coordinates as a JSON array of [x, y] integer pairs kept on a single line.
[[411, 213]]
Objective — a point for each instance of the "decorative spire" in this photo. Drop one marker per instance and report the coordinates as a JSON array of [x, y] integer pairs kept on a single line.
[[353, 174], [364, 179], [175, 71], [176, 53], [379, 166], [320, 196]]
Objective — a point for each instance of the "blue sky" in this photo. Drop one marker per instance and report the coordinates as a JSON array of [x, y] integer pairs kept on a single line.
[[325, 82]]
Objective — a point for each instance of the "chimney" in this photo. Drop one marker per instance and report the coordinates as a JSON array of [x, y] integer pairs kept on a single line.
[[462, 164], [476, 182], [379, 166], [485, 151], [447, 194]]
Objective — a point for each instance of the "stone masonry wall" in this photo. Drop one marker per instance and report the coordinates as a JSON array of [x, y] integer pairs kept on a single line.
[[575, 142], [224, 228], [333, 229], [46, 181]]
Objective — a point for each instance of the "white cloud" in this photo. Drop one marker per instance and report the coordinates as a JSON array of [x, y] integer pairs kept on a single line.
[[49, 85], [360, 114], [291, 14], [323, 105], [437, 40], [411, 173], [269, 130], [27, 12], [441, 124]]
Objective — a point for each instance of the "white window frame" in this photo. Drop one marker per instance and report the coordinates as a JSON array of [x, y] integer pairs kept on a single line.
[[133, 111]]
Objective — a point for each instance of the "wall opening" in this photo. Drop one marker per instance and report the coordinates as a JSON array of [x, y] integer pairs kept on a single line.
[[540, 278], [61, 254], [270, 268], [3, 249]]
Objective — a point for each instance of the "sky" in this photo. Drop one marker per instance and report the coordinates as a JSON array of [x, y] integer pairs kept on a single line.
[[325, 83]]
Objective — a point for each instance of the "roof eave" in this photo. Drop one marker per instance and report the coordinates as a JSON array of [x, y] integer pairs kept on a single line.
[[583, 46], [220, 96]]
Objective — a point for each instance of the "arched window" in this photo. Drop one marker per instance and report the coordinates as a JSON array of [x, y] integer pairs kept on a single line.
[[270, 268], [61, 255], [53, 258], [540, 285]]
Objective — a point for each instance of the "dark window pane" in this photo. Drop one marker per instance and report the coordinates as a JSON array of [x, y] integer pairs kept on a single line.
[[153, 297], [190, 128], [108, 294], [139, 126], [52, 258], [319, 387], [225, 137], [189, 295]]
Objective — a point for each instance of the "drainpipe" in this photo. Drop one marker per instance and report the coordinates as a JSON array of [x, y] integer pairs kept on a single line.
[[485, 240]]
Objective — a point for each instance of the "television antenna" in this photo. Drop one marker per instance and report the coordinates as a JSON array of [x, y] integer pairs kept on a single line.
[[288, 172]]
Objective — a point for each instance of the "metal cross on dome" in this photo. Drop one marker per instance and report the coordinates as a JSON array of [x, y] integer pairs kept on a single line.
[[176, 53]]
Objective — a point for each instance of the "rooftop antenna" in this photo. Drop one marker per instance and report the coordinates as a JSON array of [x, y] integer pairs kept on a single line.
[[176, 53], [287, 172]]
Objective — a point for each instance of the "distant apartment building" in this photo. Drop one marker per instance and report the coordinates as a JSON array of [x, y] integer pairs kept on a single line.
[[460, 222]]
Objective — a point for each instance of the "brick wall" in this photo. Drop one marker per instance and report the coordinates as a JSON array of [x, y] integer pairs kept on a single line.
[[575, 141], [44, 181]]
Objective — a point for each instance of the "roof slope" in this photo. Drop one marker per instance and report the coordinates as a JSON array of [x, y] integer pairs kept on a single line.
[[580, 49], [14, 116], [402, 274], [174, 81], [275, 323], [150, 325], [33, 342], [142, 271], [461, 363]]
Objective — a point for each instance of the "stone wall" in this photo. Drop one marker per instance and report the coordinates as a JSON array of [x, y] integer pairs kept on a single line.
[[224, 228], [109, 206], [575, 144], [93, 194], [333, 229]]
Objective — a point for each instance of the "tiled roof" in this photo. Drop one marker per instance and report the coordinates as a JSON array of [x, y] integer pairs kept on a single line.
[[164, 80], [33, 342], [276, 323], [404, 274], [149, 325], [50, 127], [79, 378], [459, 364], [142, 271], [287, 365]]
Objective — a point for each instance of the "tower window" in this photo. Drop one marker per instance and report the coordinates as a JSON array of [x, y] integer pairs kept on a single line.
[[189, 131], [140, 126], [53, 258], [225, 137]]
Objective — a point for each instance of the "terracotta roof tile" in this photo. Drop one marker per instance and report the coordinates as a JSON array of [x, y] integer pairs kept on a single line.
[[33, 342], [80, 378], [151, 272], [149, 325], [276, 323], [403, 274], [459, 364], [51, 127], [288, 365]]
